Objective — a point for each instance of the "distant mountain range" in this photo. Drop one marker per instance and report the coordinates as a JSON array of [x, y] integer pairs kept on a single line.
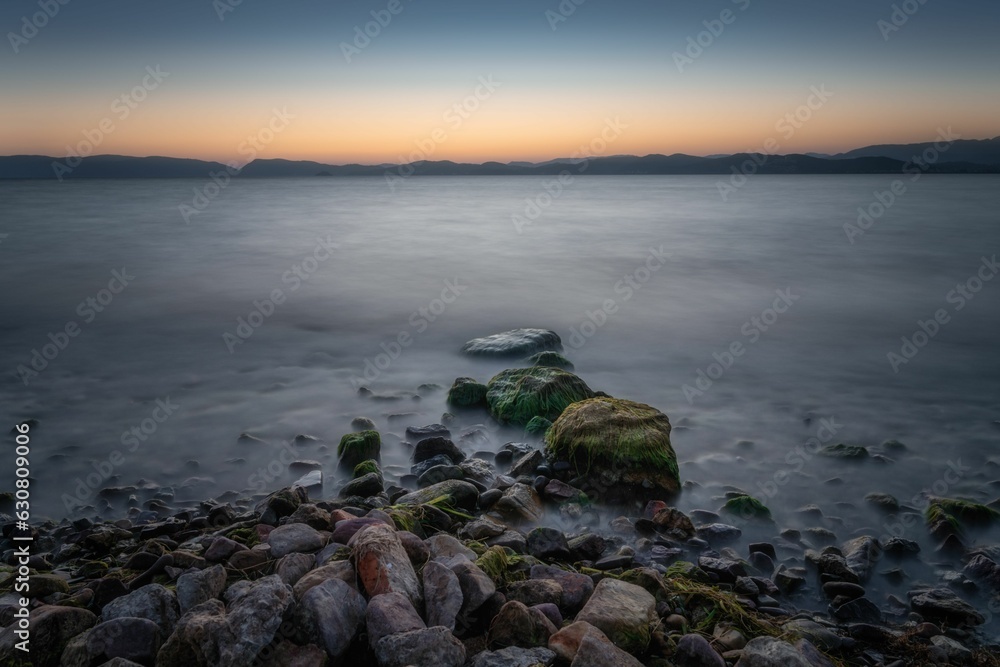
[[965, 156]]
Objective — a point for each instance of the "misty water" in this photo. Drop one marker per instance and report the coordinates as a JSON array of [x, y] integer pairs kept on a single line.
[[441, 261]]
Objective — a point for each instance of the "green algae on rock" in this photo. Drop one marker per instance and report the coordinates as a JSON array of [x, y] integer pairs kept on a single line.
[[842, 451], [537, 426], [621, 446], [551, 359], [947, 516], [747, 507], [467, 393], [357, 447], [517, 395]]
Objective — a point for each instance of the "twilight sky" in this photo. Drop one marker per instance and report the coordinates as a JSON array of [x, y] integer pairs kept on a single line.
[[554, 90]]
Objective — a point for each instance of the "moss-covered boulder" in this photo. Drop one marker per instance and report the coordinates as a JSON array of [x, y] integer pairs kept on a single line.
[[357, 447], [537, 426], [517, 395], [467, 393], [552, 359], [948, 516], [747, 507], [621, 447]]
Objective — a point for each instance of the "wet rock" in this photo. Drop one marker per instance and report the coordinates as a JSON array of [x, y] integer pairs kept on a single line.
[[515, 656], [940, 604], [152, 602], [431, 646], [476, 586], [695, 651], [443, 546], [438, 474], [861, 555], [727, 570], [331, 615], [622, 447], [135, 639], [362, 424], [548, 544], [418, 433], [770, 652], [365, 486], [844, 451], [383, 566], [443, 595], [882, 501], [341, 569], [835, 567], [518, 625], [357, 447], [858, 610], [479, 470], [467, 393], [198, 586], [520, 502], [428, 448], [673, 522], [833, 589], [622, 611], [535, 591], [517, 342], [597, 650], [290, 569], [344, 530], [312, 481], [221, 549], [527, 464], [459, 494], [956, 653], [252, 559], [899, 547], [44, 585], [588, 547], [517, 395], [294, 537], [719, 533], [576, 588], [389, 614], [52, 627]]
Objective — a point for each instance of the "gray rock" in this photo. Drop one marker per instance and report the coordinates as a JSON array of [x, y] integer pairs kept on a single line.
[[431, 646], [388, 614], [527, 464], [536, 591], [516, 342], [338, 569], [518, 625], [624, 612], [596, 650], [442, 595], [476, 586], [136, 639], [331, 616], [771, 652], [461, 495], [293, 567], [52, 628], [957, 654], [546, 543], [515, 656], [576, 588], [428, 448], [369, 484], [444, 546], [221, 549], [695, 651], [294, 537], [198, 586], [520, 502], [940, 604], [439, 474], [153, 602], [861, 555]]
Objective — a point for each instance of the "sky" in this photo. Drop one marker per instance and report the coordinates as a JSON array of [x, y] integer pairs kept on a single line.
[[472, 81]]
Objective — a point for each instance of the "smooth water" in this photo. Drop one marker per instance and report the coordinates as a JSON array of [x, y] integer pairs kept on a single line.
[[643, 337]]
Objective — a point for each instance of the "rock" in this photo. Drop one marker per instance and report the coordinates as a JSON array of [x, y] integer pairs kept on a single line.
[[770, 652], [517, 395], [622, 611], [357, 447], [418, 433], [576, 588], [389, 614], [152, 602], [673, 522], [836, 567], [517, 342], [957, 654], [345, 529], [535, 591], [551, 359], [294, 537], [843, 451], [442, 595], [52, 627], [252, 559], [202, 637], [290, 569], [520, 503], [311, 481], [940, 604], [861, 555], [383, 565], [858, 610], [514, 656], [339, 569], [44, 585], [255, 614], [362, 424], [476, 586], [443, 546], [221, 549], [135, 639], [882, 501], [527, 464], [747, 508], [369, 484], [566, 641], [622, 447], [430, 447], [729, 638], [548, 544], [833, 589], [198, 586], [331, 615], [597, 650], [467, 393], [459, 494], [439, 474], [695, 651], [727, 570], [538, 425], [287, 654], [899, 547], [588, 546], [518, 625], [431, 646]]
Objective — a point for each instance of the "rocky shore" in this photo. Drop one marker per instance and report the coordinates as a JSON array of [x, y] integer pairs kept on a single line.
[[561, 550]]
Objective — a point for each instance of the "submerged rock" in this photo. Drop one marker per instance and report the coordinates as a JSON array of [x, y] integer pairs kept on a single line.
[[622, 447], [517, 395], [520, 342]]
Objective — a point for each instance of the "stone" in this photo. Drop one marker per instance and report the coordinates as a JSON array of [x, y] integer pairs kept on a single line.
[[624, 612], [294, 537], [332, 614], [311, 515], [516, 342], [476, 586], [546, 543], [695, 651], [152, 602], [576, 588], [771, 652], [718, 533], [861, 555], [444, 546], [566, 641], [388, 614], [52, 627], [291, 568], [515, 656], [221, 549], [428, 448], [527, 464], [135, 639], [957, 654], [345, 529], [357, 447], [535, 591], [383, 565], [457, 493], [442, 595], [431, 646], [518, 625], [940, 604], [520, 503], [338, 569], [621, 447], [369, 484], [517, 395], [438, 474], [467, 393], [198, 586], [597, 650]]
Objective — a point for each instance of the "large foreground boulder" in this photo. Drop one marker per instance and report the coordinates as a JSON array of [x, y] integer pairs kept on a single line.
[[517, 342], [622, 447], [517, 395]]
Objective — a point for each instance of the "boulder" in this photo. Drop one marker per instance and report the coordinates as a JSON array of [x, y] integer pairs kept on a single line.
[[199, 586], [357, 447], [331, 615], [435, 647], [622, 611], [517, 395], [516, 342], [442, 595], [383, 565]]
